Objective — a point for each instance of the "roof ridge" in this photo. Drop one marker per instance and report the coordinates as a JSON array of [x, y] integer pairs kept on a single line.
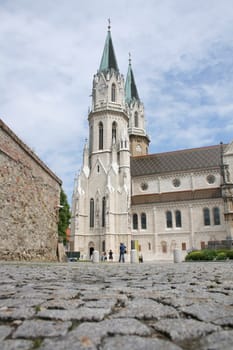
[[185, 150]]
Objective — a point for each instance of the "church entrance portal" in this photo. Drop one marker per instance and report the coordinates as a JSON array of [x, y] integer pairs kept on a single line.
[[91, 250]]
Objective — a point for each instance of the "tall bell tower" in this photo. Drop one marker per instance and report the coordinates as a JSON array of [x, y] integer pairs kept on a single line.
[[139, 140], [101, 198]]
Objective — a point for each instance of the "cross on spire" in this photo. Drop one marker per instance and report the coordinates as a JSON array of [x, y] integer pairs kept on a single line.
[[129, 58], [109, 24]]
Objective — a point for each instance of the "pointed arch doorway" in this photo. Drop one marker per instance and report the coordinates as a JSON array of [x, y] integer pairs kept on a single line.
[[91, 248]]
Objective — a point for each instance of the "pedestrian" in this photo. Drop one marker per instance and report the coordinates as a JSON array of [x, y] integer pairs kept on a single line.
[[103, 256], [110, 255], [140, 258], [122, 252]]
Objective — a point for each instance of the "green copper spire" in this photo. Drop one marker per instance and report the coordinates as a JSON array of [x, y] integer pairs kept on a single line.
[[131, 92], [108, 60]]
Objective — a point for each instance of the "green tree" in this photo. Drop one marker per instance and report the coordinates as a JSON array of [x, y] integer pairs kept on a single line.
[[64, 217]]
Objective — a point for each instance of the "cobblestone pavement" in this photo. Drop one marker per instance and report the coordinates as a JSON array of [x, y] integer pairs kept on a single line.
[[110, 306]]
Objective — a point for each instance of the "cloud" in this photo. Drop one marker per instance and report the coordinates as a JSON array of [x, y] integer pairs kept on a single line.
[[181, 56]]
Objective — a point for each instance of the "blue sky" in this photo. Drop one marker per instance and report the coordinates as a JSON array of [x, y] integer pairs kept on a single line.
[[182, 58]]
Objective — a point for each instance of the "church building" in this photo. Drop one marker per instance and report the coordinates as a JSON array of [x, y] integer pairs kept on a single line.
[[156, 202]]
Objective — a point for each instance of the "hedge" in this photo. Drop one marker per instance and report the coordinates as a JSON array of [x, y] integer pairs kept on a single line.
[[209, 255]]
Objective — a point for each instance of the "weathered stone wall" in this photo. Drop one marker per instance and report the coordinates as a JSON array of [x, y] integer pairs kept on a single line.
[[29, 195]]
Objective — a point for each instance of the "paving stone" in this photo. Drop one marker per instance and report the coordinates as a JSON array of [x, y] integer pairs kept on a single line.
[[17, 345], [147, 309], [68, 344], [61, 304], [116, 306], [137, 343], [208, 311], [102, 303], [184, 328], [5, 331], [95, 332], [224, 321], [22, 313], [80, 314], [17, 302], [33, 329], [218, 341]]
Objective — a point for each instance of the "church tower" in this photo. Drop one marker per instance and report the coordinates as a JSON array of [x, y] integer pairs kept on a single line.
[[101, 199], [139, 140]]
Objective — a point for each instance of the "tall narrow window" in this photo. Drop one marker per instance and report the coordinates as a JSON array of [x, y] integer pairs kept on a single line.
[[135, 221], [216, 215], [113, 93], [136, 119], [178, 218], [206, 214], [143, 221], [114, 127], [103, 211], [169, 219], [91, 138], [101, 135], [203, 246], [183, 246], [164, 246], [91, 212]]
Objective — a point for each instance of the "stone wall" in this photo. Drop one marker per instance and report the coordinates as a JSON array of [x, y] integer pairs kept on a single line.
[[29, 196]]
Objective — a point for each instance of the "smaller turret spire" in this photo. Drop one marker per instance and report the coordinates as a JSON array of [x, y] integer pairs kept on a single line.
[[131, 92]]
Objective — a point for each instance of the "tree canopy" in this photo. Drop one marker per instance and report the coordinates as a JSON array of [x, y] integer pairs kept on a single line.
[[64, 217]]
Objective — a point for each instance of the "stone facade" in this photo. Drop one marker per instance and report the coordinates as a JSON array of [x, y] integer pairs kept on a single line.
[[29, 196]]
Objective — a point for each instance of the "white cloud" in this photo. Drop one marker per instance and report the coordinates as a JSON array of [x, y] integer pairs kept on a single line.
[[182, 62]]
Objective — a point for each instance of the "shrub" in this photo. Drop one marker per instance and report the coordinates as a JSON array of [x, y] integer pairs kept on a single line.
[[194, 256], [221, 256], [209, 255], [229, 254]]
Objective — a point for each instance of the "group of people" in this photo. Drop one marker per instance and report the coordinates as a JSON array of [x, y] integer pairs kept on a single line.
[[122, 252], [110, 256]]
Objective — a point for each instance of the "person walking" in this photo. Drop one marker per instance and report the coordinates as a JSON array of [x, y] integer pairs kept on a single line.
[[110, 255], [122, 252]]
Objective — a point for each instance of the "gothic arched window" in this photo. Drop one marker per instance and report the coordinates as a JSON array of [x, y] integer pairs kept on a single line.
[[136, 119], [216, 215], [178, 218], [143, 221], [101, 135], [206, 215], [103, 211], [91, 212], [135, 221], [113, 93], [91, 138], [114, 127], [169, 218]]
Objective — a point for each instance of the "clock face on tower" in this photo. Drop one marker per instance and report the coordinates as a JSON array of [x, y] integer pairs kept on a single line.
[[138, 148]]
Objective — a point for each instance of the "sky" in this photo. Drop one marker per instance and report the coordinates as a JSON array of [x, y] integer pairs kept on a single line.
[[182, 59]]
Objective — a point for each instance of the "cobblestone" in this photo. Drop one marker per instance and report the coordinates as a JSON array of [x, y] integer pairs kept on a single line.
[[115, 306]]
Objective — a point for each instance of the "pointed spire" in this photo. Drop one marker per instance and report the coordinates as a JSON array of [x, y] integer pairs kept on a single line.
[[108, 60], [131, 92]]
